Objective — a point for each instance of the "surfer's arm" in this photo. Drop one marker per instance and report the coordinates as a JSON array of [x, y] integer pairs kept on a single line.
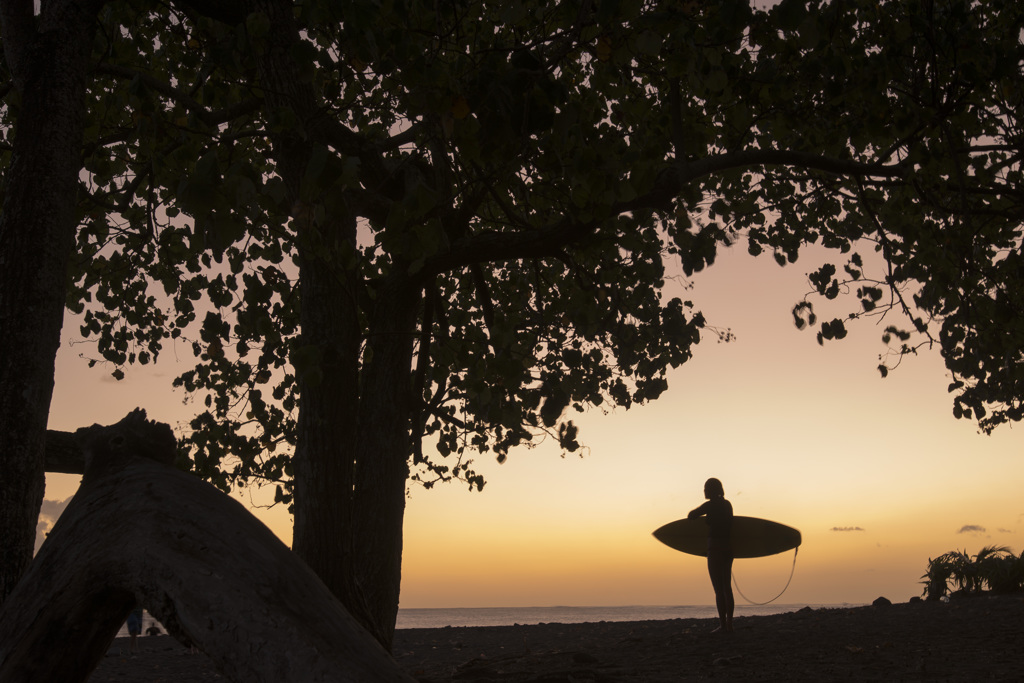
[[698, 512]]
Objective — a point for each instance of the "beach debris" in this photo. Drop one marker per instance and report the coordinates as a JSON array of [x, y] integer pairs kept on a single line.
[[475, 669]]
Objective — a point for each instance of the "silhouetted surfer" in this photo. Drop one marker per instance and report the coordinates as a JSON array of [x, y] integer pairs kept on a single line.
[[718, 513]]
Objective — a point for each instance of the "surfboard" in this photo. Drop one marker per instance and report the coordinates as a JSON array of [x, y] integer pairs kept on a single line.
[[751, 536]]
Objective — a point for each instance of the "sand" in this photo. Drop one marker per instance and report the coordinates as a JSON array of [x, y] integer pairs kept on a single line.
[[968, 639]]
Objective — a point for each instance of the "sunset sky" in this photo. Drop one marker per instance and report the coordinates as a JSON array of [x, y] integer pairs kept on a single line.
[[877, 474]]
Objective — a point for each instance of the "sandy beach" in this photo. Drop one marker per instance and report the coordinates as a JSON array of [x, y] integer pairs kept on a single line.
[[968, 639]]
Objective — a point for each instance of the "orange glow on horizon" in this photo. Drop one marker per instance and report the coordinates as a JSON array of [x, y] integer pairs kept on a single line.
[[876, 474]]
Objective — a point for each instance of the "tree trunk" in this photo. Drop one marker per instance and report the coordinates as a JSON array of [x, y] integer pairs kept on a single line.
[[382, 466], [328, 533], [141, 532], [328, 418], [48, 56]]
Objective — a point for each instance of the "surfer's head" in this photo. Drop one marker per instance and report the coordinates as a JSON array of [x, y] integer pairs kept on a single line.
[[713, 488]]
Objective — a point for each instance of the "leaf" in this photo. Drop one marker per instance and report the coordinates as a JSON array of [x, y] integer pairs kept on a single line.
[[717, 81], [810, 35], [460, 108], [648, 42], [258, 25], [316, 166]]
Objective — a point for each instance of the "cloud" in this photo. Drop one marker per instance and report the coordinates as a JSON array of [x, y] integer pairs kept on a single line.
[[48, 514], [971, 529], [846, 528], [51, 509]]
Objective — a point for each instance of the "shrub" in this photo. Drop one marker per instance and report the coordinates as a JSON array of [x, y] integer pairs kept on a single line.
[[994, 567]]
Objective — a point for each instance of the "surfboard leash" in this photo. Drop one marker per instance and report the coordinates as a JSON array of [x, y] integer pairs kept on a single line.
[[791, 572]]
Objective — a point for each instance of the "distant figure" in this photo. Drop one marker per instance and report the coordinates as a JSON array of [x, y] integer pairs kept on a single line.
[[718, 513], [153, 631], [134, 623]]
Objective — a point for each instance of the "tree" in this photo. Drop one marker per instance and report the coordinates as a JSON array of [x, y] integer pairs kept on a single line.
[[450, 222], [46, 144], [46, 57]]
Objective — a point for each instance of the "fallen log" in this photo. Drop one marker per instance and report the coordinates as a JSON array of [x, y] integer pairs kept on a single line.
[[63, 454], [139, 532]]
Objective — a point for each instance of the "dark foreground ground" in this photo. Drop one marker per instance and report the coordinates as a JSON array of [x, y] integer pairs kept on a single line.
[[972, 639]]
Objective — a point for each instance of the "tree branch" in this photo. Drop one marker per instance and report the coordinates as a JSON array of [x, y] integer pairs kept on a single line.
[[17, 27], [229, 11], [671, 184], [210, 118], [546, 241], [422, 366]]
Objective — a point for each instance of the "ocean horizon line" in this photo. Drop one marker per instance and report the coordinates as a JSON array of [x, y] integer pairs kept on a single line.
[[457, 617]]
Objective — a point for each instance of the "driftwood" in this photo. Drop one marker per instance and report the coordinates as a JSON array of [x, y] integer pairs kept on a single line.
[[141, 532], [63, 454]]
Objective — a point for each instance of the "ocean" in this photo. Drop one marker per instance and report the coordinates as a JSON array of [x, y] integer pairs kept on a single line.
[[508, 616]]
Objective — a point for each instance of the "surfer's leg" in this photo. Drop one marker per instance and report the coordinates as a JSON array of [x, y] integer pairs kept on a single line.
[[730, 601], [720, 570]]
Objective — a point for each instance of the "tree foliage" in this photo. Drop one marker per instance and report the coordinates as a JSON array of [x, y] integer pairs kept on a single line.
[[950, 231], [398, 233], [490, 121]]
